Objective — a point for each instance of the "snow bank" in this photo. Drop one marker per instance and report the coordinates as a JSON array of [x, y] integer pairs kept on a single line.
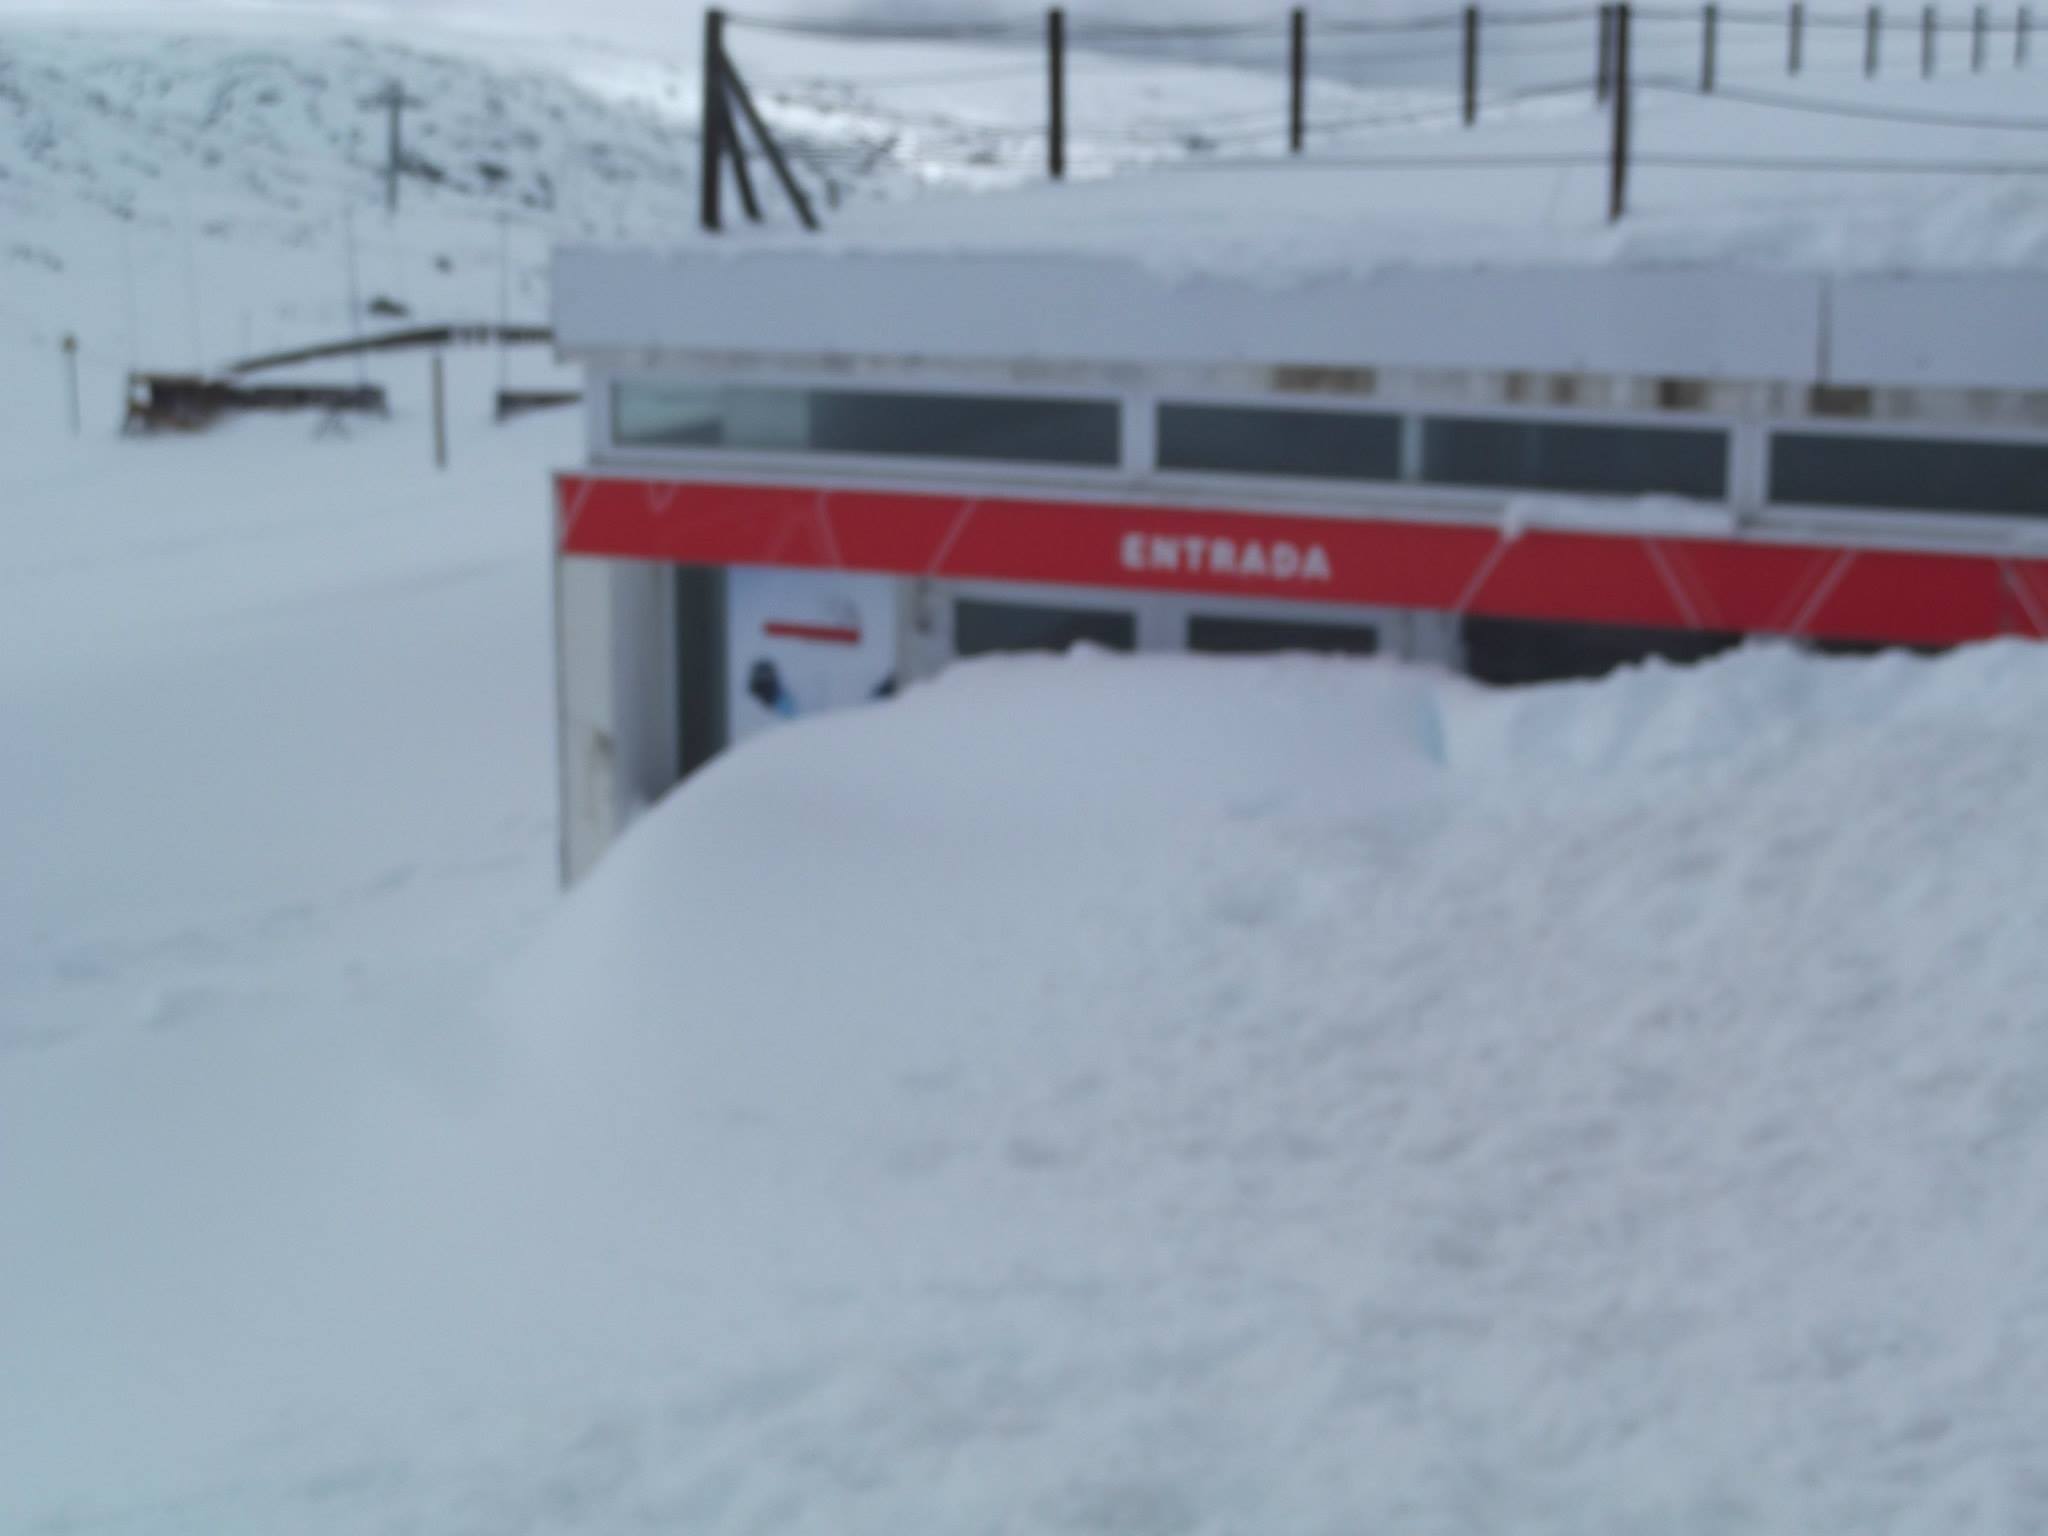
[[1175, 1096]]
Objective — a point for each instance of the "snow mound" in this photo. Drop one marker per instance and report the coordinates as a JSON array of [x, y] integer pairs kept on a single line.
[[1175, 1096], [1170, 1096]]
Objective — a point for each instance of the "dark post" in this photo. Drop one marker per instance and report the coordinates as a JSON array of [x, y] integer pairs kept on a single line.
[[1873, 28], [1603, 56], [2019, 38], [1795, 36], [1927, 42], [1710, 24], [729, 135], [394, 146], [711, 122], [1471, 65], [1977, 41], [1297, 79], [736, 91], [1056, 81], [440, 415], [71, 375], [1617, 194]]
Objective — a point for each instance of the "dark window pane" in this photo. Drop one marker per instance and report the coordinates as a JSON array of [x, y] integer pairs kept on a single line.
[[1539, 651], [1930, 474], [1554, 456], [1031, 431], [1237, 636], [1016, 429], [980, 628], [1248, 440]]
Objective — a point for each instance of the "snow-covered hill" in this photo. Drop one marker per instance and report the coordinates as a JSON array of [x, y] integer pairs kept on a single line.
[[183, 186]]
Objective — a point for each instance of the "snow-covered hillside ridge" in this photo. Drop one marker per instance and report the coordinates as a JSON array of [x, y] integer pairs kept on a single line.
[[185, 185]]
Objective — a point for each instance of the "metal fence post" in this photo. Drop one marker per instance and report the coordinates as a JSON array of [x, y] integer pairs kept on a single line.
[[736, 91], [1977, 41], [1710, 26], [1795, 36], [1603, 57], [1873, 27], [1297, 79], [1056, 88], [1471, 71], [1927, 42], [1617, 191], [2020, 23], [711, 122]]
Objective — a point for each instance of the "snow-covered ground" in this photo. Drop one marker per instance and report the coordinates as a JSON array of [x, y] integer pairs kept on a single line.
[[1110, 1096], [1087, 1096]]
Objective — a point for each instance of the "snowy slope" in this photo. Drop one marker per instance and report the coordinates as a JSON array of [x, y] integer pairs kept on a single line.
[[1109, 1096]]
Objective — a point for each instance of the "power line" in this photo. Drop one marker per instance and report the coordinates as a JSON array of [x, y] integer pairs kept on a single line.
[[1035, 69], [892, 31], [1529, 161], [1828, 108], [1832, 164]]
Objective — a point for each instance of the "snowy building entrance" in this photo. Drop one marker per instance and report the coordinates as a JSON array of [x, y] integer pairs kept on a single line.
[[818, 475]]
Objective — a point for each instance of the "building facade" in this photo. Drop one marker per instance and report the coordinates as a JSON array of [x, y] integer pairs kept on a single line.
[[816, 477]]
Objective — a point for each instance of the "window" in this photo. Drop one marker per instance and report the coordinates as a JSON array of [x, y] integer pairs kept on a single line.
[[980, 628], [1022, 429], [1206, 632], [1260, 440], [1556, 456], [1511, 651], [1924, 473]]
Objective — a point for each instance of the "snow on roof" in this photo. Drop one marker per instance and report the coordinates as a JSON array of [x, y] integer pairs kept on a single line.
[[1959, 331]]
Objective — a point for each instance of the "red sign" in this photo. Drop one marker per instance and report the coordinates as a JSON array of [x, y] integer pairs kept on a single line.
[[1659, 581]]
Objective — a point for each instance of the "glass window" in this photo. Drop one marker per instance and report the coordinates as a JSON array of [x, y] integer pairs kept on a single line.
[[1207, 632], [1023, 429], [1559, 456], [1259, 440], [1928, 474], [980, 627]]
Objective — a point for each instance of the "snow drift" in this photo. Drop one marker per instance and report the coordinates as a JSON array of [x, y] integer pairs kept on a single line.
[[1187, 1096]]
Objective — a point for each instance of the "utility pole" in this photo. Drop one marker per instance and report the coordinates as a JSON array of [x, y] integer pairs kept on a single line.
[[439, 385], [394, 100], [71, 374]]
